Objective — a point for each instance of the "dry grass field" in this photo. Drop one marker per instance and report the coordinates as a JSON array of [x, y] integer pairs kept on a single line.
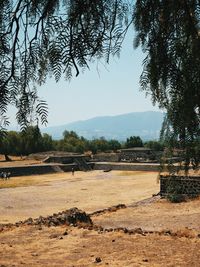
[[32, 196], [170, 235]]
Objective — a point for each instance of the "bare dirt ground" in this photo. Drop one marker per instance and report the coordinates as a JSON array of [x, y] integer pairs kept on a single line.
[[28, 246], [32, 196], [157, 216], [17, 161], [23, 197]]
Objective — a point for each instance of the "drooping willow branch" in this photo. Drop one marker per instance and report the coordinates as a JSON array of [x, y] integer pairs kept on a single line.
[[42, 38]]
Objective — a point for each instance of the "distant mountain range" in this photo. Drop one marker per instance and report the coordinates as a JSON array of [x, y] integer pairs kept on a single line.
[[147, 125]]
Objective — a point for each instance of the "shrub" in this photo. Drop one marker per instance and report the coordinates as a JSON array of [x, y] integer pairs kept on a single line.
[[174, 192]]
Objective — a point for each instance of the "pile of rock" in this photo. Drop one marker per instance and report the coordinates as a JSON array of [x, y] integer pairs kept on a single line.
[[72, 216], [110, 209]]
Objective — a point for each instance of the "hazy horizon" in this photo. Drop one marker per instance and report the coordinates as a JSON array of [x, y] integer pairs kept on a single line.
[[90, 118]]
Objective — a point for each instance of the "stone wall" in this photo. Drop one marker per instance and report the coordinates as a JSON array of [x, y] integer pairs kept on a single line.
[[140, 156], [41, 169], [64, 159], [29, 170], [187, 185], [106, 157], [126, 166]]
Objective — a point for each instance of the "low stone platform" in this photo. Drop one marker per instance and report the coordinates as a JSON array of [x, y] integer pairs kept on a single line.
[[54, 168], [37, 169], [127, 166]]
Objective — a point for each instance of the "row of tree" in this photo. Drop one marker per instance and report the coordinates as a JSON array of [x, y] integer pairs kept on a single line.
[[32, 141]]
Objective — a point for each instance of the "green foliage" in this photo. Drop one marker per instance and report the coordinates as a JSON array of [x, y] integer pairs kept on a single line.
[[71, 142], [169, 32], [133, 141], [53, 38], [47, 143], [174, 192], [154, 145], [31, 141], [114, 145], [25, 142]]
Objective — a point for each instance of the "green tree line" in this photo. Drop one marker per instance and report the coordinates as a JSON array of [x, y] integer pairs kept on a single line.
[[32, 141]]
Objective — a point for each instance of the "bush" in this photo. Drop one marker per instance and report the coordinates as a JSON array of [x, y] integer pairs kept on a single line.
[[174, 192]]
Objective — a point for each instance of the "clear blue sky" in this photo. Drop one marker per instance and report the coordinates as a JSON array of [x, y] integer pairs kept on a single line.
[[103, 90]]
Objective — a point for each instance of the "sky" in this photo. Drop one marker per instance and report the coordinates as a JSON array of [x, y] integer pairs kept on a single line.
[[104, 90]]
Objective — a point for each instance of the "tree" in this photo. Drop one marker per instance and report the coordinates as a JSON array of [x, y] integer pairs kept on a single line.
[[42, 38], [53, 37], [154, 145], [47, 142], [70, 135], [169, 33], [114, 144], [71, 142], [31, 140], [133, 141], [4, 146], [14, 143]]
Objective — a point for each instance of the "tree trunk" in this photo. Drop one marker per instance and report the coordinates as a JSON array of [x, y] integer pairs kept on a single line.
[[7, 158]]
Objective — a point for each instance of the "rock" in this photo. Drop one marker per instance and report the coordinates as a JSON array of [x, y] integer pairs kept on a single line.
[[138, 231], [73, 217], [29, 221], [55, 221], [34, 254], [98, 259], [53, 236], [65, 233], [168, 232], [51, 224], [126, 230]]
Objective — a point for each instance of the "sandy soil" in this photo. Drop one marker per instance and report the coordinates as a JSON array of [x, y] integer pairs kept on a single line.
[[24, 197], [28, 246], [89, 191], [158, 216], [17, 161]]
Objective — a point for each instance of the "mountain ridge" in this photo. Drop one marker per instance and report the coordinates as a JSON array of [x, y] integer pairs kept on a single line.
[[146, 124]]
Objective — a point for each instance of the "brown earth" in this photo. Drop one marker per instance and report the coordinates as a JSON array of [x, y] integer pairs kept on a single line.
[[29, 246], [17, 161], [174, 240], [33, 196], [157, 216]]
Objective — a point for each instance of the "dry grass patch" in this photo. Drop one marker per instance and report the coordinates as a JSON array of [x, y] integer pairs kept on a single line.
[[36, 180], [22, 182], [129, 173], [17, 161]]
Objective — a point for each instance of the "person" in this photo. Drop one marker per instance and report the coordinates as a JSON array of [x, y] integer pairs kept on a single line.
[[72, 171]]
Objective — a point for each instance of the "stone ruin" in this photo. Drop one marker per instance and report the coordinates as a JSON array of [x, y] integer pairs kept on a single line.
[[72, 217], [138, 154], [184, 185]]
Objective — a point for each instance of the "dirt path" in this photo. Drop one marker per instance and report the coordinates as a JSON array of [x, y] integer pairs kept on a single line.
[[29, 246], [158, 216], [33, 196]]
